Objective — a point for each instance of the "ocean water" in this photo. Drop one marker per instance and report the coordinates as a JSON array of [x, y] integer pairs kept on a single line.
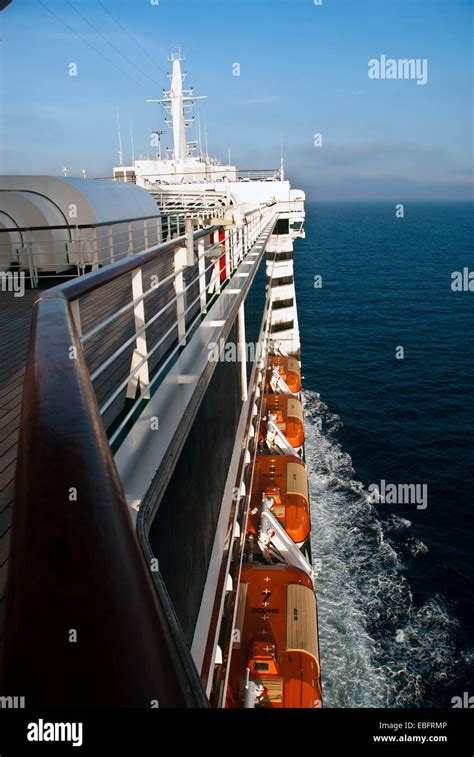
[[396, 582]]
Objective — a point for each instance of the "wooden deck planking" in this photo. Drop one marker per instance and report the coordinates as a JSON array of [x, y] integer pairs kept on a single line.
[[15, 319]]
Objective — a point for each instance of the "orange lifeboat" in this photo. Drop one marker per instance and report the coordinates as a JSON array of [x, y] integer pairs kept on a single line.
[[289, 417], [289, 370], [283, 479], [276, 638]]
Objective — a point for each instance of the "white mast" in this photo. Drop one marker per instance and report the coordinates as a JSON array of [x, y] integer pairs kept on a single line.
[[177, 110], [178, 101], [120, 153], [131, 141]]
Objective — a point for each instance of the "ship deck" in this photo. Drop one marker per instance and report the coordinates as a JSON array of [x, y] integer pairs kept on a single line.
[[14, 337], [15, 325]]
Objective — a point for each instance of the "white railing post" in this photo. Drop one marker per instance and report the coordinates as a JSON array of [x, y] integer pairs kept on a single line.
[[179, 263], [31, 261], [76, 316], [75, 242], [232, 248], [95, 254], [139, 379], [188, 230], [202, 273], [80, 251], [130, 239], [111, 244], [146, 233], [217, 267], [228, 266]]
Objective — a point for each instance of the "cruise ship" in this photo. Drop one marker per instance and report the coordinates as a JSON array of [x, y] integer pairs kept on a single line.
[[154, 505]]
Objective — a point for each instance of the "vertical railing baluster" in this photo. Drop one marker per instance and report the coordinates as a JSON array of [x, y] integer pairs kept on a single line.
[[141, 378], [202, 273], [179, 263], [188, 230], [95, 246], [146, 233], [111, 244], [76, 316], [218, 263], [228, 270]]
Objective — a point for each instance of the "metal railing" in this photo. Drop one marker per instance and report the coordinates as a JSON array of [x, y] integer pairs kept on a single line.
[[258, 174], [76, 247], [165, 302], [196, 176], [90, 582], [196, 204]]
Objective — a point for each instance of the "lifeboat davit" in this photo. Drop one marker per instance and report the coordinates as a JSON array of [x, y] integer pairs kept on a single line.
[[276, 638], [288, 417], [289, 370], [284, 481]]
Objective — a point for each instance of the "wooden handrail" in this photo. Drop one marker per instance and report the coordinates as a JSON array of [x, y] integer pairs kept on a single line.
[[84, 625]]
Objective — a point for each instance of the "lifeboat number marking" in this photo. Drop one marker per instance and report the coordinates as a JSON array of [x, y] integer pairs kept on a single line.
[[275, 610]]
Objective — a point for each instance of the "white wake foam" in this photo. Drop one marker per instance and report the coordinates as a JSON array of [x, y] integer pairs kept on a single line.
[[377, 648]]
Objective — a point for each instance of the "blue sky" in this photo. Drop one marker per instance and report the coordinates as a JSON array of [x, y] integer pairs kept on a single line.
[[303, 70]]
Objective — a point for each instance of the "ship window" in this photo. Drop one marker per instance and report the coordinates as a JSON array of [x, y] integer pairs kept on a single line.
[[279, 304], [260, 666], [282, 281], [282, 226], [286, 255], [281, 326]]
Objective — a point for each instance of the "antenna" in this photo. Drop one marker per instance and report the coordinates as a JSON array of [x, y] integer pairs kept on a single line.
[[120, 153], [199, 131], [131, 140], [158, 134], [205, 133]]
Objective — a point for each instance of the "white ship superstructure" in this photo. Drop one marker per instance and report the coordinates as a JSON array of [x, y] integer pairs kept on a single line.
[[191, 183]]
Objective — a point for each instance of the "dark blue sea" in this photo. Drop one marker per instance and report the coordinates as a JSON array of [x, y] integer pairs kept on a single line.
[[396, 582]]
